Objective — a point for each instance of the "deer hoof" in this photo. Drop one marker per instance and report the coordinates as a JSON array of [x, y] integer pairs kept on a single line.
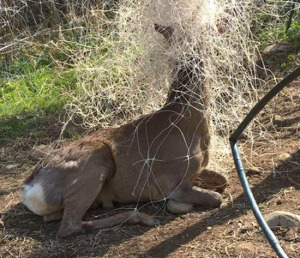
[[67, 232], [216, 200]]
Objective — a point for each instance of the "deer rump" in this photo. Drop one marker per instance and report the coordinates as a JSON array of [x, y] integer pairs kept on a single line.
[[151, 159]]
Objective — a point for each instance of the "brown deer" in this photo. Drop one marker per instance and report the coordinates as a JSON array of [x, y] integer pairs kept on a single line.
[[150, 159]]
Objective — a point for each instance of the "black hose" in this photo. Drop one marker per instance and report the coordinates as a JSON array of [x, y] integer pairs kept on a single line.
[[239, 165], [263, 102]]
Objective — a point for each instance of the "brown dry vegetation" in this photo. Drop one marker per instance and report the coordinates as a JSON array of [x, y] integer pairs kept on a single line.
[[271, 151]]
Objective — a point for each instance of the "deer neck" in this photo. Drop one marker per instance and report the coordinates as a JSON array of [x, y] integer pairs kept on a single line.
[[189, 89]]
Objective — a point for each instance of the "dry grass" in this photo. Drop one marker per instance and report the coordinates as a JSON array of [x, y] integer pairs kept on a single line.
[[124, 68], [135, 78]]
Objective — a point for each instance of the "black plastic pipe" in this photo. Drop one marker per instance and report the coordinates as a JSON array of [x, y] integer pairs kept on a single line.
[[263, 102], [289, 22], [239, 165]]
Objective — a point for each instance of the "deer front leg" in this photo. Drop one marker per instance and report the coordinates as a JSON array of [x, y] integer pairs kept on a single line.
[[127, 217], [179, 207], [210, 179], [186, 196]]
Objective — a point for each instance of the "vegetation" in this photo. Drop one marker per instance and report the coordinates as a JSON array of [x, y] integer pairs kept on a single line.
[[33, 91], [49, 62], [270, 29]]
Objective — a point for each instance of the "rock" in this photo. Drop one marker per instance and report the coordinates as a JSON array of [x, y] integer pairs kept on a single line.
[[245, 249], [283, 219], [12, 166], [268, 49], [284, 156], [40, 152], [278, 47]]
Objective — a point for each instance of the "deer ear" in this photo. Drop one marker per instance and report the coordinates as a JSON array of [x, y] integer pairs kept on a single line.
[[167, 32]]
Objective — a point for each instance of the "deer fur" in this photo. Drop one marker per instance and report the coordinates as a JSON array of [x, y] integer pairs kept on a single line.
[[150, 159]]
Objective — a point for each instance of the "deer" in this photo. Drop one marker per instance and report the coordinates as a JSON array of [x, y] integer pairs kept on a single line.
[[153, 158]]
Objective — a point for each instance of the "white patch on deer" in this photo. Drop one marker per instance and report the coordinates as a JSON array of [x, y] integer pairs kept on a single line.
[[33, 197], [71, 164]]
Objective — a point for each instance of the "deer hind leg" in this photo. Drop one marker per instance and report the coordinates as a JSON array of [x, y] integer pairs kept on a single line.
[[179, 207], [77, 202], [125, 217], [186, 196], [83, 191]]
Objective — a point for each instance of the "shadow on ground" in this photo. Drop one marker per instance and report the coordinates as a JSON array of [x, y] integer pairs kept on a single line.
[[26, 125]]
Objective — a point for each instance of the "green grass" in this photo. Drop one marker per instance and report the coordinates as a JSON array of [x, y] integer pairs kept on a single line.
[[31, 92], [14, 127], [42, 90], [36, 85], [270, 30]]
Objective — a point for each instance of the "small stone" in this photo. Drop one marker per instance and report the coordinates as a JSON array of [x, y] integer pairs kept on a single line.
[[269, 49], [284, 156], [283, 219], [278, 47], [245, 249], [12, 166]]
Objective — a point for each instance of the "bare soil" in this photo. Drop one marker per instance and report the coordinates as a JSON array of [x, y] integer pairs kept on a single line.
[[230, 231]]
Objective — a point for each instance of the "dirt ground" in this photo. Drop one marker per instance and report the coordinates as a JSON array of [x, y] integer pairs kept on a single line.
[[230, 231]]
